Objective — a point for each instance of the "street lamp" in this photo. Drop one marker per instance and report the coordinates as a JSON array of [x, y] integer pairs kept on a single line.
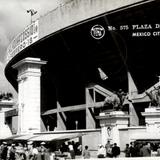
[[32, 12], [76, 124], [103, 76]]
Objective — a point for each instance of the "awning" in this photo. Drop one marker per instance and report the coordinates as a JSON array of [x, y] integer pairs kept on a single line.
[[54, 137], [3, 137], [44, 137], [11, 113], [25, 137], [19, 137], [11, 137]]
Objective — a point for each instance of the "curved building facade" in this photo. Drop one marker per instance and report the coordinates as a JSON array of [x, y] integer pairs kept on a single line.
[[56, 61]]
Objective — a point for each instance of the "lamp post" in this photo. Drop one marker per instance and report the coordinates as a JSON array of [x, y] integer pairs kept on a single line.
[[103, 76], [76, 124], [32, 12]]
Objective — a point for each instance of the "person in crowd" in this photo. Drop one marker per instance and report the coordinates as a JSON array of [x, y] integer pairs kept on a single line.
[[115, 150], [158, 151], [8, 151], [71, 150], [108, 147], [35, 152], [132, 150], [38, 156], [42, 149], [86, 153], [30, 150], [74, 147], [63, 148], [20, 154], [12, 152], [101, 152], [145, 151], [1, 145], [79, 148], [19, 148], [127, 151], [4, 151], [27, 153], [47, 154]]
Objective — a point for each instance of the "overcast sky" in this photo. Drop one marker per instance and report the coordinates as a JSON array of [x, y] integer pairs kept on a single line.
[[13, 19]]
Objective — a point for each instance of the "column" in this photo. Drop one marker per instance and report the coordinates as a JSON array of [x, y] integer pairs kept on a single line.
[[29, 73], [110, 124], [61, 119], [90, 122], [152, 120], [133, 92]]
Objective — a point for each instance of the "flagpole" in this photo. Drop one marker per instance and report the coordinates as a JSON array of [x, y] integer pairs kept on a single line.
[[32, 12]]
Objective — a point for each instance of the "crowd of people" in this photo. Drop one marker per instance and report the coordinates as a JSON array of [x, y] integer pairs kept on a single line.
[[32, 151], [28, 151], [109, 150], [38, 151], [134, 149], [142, 149], [71, 149]]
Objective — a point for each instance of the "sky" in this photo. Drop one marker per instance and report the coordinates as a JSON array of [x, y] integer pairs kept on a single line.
[[13, 19]]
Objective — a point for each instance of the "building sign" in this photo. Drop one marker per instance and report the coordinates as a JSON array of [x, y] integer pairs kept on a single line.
[[23, 40]]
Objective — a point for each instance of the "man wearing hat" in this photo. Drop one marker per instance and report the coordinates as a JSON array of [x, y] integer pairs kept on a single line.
[[43, 143], [101, 152], [43, 150], [29, 142], [30, 149]]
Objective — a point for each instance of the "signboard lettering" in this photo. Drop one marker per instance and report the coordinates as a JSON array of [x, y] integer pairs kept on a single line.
[[23, 40]]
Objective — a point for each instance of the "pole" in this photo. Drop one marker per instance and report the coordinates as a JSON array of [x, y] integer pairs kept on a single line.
[[32, 12], [76, 124]]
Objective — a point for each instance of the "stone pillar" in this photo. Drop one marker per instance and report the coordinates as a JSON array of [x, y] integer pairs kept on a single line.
[[60, 121], [29, 73], [110, 124], [90, 122], [152, 119], [132, 93]]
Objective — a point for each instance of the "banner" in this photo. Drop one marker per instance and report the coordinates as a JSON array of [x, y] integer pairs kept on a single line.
[[23, 40]]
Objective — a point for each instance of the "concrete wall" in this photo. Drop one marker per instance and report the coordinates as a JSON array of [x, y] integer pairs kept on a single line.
[[75, 11], [92, 140], [14, 124], [72, 12], [128, 134]]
